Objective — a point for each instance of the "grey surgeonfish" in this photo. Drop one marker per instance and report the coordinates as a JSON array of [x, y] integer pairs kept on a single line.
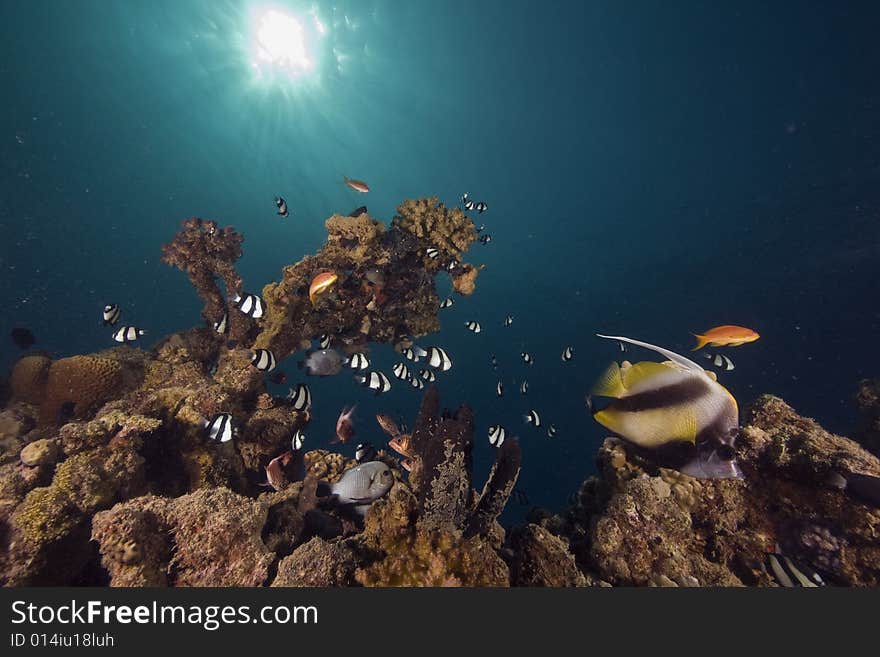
[[790, 574], [527, 358], [721, 361], [127, 333], [222, 325], [364, 452], [499, 389], [533, 418], [428, 375], [524, 388], [359, 362], [671, 405], [323, 362], [250, 304], [263, 360], [508, 321], [376, 381], [473, 326], [439, 359], [111, 314], [324, 341], [219, 428], [567, 354], [446, 303], [281, 204], [497, 434], [300, 397], [401, 371], [432, 253], [360, 486]]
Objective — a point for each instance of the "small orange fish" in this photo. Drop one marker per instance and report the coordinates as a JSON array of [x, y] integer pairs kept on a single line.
[[402, 444], [407, 464], [321, 283], [726, 336], [344, 426], [388, 425], [357, 185]]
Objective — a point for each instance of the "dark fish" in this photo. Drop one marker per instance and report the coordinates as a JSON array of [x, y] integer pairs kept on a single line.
[[278, 378], [22, 337], [357, 212], [281, 204], [864, 487], [365, 451], [519, 496], [485, 238]]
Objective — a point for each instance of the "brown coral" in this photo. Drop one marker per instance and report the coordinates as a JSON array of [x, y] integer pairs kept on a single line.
[[28, 379], [205, 251], [77, 386]]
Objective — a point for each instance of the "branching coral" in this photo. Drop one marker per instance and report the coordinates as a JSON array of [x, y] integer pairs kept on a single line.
[[204, 251]]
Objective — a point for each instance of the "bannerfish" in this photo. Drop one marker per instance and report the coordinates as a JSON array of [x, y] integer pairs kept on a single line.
[[321, 284], [446, 303], [508, 320], [300, 397], [250, 304], [499, 389], [725, 336], [356, 185], [414, 353], [22, 337], [281, 204], [497, 434], [533, 418], [527, 358], [323, 362], [721, 361], [360, 486], [439, 359], [127, 333], [428, 375], [400, 371], [219, 428], [263, 360], [296, 443], [324, 340], [111, 314], [375, 381], [365, 452], [416, 382], [359, 361], [524, 388], [357, 212], [432, 252], [567, 354], [673, 403], [790, 574], [344, 426], [473, 326], [221, 326]]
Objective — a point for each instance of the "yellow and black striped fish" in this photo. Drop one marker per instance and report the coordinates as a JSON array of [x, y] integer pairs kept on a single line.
[[655, 404]]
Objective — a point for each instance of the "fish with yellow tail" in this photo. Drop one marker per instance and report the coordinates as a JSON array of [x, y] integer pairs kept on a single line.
[[725, 336], [676, 408]]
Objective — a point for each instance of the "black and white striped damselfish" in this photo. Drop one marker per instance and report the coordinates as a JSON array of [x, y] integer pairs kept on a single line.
[[446, 303], [677, 401], [281, 204], [300, 397], [220, 428], [250, 304], [127, 333], [111, 314], [263, 360]]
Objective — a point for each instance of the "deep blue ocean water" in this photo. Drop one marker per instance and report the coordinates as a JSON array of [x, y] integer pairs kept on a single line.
[[652, 169]]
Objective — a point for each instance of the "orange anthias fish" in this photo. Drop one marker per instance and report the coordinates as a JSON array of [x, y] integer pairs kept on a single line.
[[321, 283], [726, 336], [388, 425], [402, 444], [357, 185]]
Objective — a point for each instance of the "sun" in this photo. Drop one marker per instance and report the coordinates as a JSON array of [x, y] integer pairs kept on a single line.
[[280, 45]]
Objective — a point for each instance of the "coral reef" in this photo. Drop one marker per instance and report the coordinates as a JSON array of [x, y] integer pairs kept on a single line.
[[868, 399], [204, 251]]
